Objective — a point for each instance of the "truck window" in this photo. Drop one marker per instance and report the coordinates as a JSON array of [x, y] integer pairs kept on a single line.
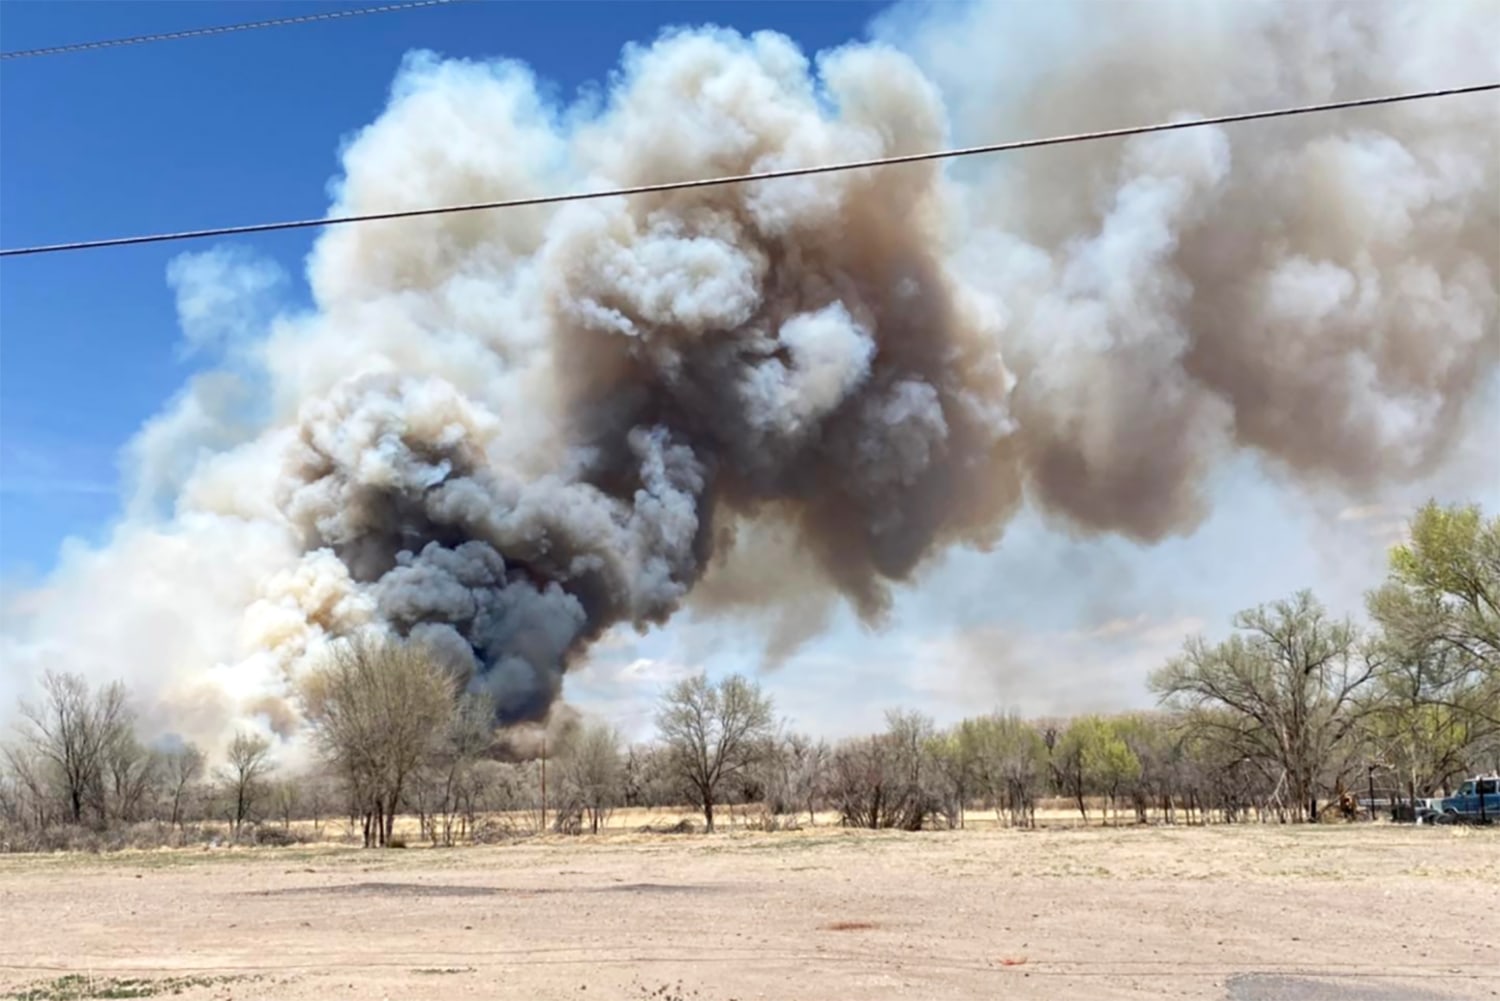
[[1488, 787]]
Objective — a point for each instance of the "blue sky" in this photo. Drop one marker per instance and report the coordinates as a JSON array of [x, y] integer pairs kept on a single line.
[[247, 127]]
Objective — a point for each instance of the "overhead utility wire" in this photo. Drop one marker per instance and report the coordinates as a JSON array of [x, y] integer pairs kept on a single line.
[[167, 36], [768, 175]]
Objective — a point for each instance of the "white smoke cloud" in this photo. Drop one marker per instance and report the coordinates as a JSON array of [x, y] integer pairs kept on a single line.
[[224, 296], [506, 433]]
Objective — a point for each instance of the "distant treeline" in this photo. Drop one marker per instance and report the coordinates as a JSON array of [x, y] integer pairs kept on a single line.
[[1294, 715]]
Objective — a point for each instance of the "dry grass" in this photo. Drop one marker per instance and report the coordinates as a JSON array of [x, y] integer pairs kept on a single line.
[[657, 820]]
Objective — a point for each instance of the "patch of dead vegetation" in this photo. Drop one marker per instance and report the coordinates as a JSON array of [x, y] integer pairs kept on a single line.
[[79, 986]]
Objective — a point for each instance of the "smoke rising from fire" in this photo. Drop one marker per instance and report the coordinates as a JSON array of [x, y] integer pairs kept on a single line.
[[503, 433]]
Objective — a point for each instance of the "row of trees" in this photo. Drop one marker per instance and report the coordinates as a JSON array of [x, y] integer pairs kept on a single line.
[[1294, 709], [1306, 699], [80, 763]]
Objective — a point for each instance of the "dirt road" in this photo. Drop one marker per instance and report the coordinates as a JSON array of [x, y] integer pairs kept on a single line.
[[1250, 914]]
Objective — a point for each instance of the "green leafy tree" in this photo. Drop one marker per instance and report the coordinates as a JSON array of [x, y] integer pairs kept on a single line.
[[1065, 748], [1108, 762], [955, 764], [1433, 708], [1439, 611], [1281, 692], [1005, 760]]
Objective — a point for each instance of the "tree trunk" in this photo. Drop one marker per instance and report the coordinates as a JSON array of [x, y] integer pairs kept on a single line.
[[708, 813]]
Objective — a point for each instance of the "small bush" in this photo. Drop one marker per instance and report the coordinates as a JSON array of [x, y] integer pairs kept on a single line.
[[496, 830], [766, 819], [278, 837], [683, 826]]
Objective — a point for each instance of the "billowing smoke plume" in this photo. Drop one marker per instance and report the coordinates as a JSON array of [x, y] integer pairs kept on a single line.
[[503, 433], [1321, 289]]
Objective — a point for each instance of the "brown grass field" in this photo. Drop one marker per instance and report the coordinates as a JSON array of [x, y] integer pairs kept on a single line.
[[1249, 913]]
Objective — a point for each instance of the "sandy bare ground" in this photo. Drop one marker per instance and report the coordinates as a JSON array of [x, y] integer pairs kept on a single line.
[[1250, 913]]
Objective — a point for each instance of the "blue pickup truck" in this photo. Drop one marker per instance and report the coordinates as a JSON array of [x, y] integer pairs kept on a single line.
[[1477, 799]]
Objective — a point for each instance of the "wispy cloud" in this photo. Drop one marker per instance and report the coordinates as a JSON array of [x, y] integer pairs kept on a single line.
[[41, 468], [1366, 512], [49, 486], [624, 692], [1384, 525]]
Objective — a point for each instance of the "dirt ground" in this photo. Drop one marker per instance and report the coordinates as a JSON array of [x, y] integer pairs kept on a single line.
[[1244, 913]]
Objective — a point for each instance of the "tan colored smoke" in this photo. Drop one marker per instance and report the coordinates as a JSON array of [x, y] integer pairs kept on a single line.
[[1322, 289]]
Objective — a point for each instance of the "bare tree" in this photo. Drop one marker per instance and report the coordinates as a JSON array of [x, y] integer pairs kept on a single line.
[[246, 765], [14, 809], [1008, 756], [714, 733], [182, 767], [378, 708], [319, 790], [33, 791], [891, 779], [861, 782], [917, 776], [72, 730], [649, 778], [1150, 739], [131, 772], [449, 774], [1288, 683], [592, 773], [796, 775], [286, 799]]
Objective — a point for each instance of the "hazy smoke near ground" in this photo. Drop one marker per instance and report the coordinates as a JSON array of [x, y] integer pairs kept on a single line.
[[503, 433]]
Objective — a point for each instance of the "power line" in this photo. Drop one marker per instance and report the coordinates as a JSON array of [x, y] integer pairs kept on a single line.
[[166, 36], [769, 175]]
